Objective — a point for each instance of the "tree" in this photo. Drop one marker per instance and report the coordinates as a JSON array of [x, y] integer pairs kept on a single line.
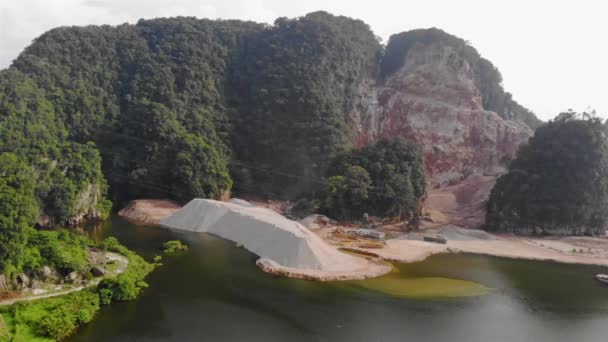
[[346, 196], [385, 179], [558, 182], [17, 210]]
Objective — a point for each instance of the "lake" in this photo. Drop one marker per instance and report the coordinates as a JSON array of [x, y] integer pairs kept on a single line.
[[216, 293]]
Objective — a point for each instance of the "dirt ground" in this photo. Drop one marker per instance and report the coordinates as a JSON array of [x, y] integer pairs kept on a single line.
[[574, 250], [148, 211], [462, 204]]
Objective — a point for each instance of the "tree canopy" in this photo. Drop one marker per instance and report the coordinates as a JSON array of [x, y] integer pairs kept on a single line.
[[297, 84], [385, 179], [185, 107], [558, 182]]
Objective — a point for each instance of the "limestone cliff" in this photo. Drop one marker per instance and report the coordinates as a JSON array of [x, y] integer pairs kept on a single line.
[[88, 205], [433, 100]]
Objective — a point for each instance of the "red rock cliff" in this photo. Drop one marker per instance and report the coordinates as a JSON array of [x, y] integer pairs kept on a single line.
[[433, 101]]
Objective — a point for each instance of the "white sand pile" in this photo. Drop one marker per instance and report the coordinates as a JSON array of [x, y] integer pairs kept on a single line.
[[285, 247]]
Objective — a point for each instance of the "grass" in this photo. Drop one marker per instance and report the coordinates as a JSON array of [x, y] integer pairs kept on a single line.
[[50, 319]]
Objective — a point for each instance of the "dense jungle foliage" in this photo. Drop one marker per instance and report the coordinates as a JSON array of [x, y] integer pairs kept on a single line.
[[297, 85], [558, 184], [487, 78], [385, 179], [54, 319], [183, 107]]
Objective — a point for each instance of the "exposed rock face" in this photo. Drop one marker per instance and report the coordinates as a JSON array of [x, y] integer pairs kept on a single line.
[[85, 209], [433, 101], [22, 281], [5, 285], [463, 204]]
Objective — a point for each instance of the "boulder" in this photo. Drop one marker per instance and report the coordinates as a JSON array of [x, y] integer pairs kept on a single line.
[[22, 281], [48, 274], [315, 221], [4, 284], [73, 278], [97, 271]]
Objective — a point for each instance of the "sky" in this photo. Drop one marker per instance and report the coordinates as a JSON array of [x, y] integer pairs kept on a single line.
[[553, 54]]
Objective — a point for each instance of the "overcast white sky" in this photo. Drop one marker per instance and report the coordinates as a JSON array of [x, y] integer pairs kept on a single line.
[[553, 54]]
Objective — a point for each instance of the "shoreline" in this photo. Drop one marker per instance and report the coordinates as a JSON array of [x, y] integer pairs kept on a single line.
[[409, 247], [124, 263], [589, 251]]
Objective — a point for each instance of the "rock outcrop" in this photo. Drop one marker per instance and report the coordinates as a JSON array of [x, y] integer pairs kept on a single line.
[[86, 209], [432, 100]]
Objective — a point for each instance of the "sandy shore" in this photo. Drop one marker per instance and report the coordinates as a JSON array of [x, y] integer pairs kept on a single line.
[[149, 211], [571, 250]]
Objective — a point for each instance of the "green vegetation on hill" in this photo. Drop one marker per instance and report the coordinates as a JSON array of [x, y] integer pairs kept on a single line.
[[54, 319], [385, 179], [298, 83], [184, 108], [558, 182], [66, 176], [151, 96], [129, 284], [487, 78]]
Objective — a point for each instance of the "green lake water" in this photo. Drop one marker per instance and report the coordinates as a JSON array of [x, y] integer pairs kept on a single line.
[[216, 293]]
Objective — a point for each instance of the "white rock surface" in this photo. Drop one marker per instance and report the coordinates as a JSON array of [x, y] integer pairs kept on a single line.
[[285, 247], [315, 221]]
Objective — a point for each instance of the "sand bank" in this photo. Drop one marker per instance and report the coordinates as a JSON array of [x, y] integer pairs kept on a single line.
[[285, 247], [149, 211], [573, 250]]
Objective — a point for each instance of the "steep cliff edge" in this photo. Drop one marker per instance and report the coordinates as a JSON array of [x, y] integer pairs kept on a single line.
[[433, 100]]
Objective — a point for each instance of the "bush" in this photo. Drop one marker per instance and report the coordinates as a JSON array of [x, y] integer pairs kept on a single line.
[[174, 247], [57, 317], [105, 296], [63, 250], [129, 284]]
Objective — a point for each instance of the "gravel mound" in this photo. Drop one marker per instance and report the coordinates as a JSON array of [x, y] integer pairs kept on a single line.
[[285, 247]]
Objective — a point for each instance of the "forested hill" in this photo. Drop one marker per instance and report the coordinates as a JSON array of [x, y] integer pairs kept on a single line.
[[187, 107]]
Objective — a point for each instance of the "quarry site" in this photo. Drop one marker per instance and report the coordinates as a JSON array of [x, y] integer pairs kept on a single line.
[[318, 248]]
